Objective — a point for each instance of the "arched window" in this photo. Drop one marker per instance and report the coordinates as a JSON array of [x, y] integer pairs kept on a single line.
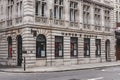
[[9, 47], [41, 46]]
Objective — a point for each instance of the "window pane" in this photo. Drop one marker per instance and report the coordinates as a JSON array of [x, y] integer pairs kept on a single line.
[[58, 46], [74, 47], [9, 47], [98, 47], [87, 46]]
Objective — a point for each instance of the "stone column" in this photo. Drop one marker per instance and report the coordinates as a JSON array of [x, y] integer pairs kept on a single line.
[[102, 20], [81, 14], [92, 17], [80, 50], [66, 12], [28, 11], [92, 50], [27, 35], [67, 50], [103, 54]]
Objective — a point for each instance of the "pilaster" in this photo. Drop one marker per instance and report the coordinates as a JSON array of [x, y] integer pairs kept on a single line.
[[28, 11]]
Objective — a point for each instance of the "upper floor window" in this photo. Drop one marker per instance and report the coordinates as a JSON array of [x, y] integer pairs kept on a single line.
[[58, 9], [86, 16], [73, 11], [1, 10], [40, 8], [19, 8], [98, 47], [10, 8], [97, 17], [107, 20]]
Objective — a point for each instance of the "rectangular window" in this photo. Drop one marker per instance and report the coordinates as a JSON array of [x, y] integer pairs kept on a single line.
[[97, 17], [37, 12], [58, 46], [107, 20], [43, 8], [58, 9], [40, 8], [86, 46], [19, 9], [73, 11], [98, 47], [10, 8], [74, 46], [9, 47], [86, 14]]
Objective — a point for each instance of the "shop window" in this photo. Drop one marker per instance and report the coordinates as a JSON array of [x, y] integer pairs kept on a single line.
[[9, 47], [86, 47], [58, 46], [41, 46], [74, 46], [98, 47]]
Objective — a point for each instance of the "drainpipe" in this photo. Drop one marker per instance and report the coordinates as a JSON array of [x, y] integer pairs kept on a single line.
[[51, 15]]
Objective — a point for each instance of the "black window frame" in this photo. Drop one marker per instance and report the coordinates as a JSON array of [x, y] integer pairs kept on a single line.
[[43, 40], [86, 45], [58, 42], [74, 46], [10, 51]]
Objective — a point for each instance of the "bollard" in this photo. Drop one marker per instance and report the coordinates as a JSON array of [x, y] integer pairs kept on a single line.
[[24, 64]]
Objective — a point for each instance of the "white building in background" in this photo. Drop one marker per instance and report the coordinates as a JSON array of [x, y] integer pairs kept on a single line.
[[56, 32]]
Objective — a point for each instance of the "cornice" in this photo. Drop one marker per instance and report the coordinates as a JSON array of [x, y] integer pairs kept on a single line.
[[99, 3]]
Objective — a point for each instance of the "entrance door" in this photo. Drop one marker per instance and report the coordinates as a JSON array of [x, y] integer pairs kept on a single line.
[[19, 50], [118, 49], [41, 46], [107, 50]]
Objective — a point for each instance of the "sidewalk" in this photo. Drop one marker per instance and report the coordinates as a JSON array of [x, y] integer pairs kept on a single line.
[[61, 68]]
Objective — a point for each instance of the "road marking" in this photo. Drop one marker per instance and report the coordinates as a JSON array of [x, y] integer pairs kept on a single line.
[[96, 78]]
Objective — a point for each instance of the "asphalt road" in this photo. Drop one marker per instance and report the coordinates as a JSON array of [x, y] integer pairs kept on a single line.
[[111, 73]]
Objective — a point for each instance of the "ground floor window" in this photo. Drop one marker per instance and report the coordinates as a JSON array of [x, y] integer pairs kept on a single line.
[[41, 46], [107, 49], [86, 46], [58, 46], [9, 47], [74, 46], [98, 47]]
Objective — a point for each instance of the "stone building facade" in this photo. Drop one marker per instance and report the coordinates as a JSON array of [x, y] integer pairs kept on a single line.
[[117, 29], [56, 32]]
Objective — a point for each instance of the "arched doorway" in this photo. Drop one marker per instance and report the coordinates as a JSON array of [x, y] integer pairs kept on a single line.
[[19, 50], [107, 50], [41, 46]]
